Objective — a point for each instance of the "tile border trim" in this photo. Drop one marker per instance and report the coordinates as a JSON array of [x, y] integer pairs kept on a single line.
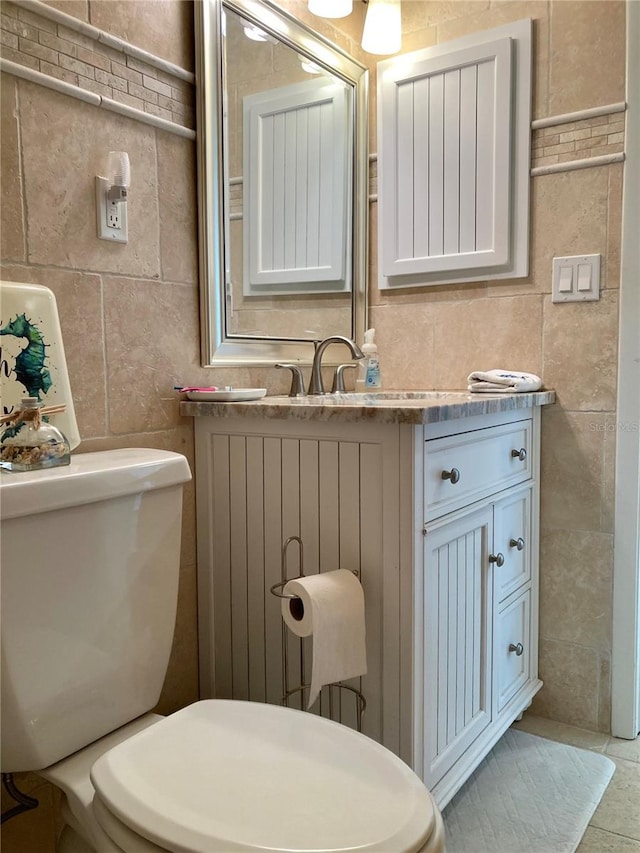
[[24, 73], [45, 11], [592, 112]]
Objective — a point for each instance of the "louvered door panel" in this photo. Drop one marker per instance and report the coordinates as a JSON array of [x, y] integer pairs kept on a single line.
[[445, 161], [456, 682], [295, 180]]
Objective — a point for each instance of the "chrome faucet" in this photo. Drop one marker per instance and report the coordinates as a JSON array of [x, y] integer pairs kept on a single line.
[[316, 385]]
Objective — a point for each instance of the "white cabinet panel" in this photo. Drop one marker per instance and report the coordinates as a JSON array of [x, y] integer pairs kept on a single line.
[[513, 541], [295, 204], [512, 649], [454, 683], [453, 160], [442, 153]]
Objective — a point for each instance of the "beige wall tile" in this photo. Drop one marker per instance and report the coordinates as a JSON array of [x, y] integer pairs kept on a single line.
[[569, 217], [479, 18], [11, 211], [147, 23], [585, 37], [575, 586], [614, 227], [405, 339], [418, 14], [580, 342], [604, 693], [482, 334], [609, 473], [77, 8], [79, 300], [65, 144], [571, 676], [176, 194], [571, 469], [152, 345]]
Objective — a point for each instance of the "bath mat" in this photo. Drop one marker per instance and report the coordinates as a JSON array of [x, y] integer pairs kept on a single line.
[[529, 795]]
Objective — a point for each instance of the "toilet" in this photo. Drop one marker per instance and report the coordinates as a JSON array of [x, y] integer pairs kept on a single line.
[[90, 557]]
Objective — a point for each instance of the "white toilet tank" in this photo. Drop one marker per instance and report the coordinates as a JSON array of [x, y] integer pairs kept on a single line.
[[90, 558]]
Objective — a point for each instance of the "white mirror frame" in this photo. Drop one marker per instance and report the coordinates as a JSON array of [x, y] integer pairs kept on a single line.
[[219, 348]]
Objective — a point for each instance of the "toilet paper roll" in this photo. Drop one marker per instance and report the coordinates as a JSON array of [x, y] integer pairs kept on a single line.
[[330, 609]]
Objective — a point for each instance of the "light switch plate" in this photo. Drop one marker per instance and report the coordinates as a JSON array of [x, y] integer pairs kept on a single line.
[[576, 279]]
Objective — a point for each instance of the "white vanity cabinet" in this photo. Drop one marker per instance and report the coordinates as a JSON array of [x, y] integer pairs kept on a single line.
[[441, 522], [475, 596]]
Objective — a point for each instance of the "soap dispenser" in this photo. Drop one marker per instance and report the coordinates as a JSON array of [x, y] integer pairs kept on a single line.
[[369, 376]]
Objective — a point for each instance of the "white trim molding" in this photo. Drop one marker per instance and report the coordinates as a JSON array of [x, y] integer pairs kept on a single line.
[[24, 73], [625, 688]]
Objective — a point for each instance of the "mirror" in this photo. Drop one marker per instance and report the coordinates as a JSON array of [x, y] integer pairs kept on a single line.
[[282, 185]]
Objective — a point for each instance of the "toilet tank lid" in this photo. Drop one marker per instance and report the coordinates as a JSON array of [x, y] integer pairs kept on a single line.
[[89, 478]]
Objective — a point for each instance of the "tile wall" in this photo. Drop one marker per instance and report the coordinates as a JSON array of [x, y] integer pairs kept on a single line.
[[129, 313]]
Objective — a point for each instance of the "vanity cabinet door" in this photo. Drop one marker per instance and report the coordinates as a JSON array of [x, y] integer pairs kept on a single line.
[[513, 541], [512, 648], [454, 614]]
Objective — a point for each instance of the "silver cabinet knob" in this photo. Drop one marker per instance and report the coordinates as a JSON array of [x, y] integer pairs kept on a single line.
[[453, 475], [498, 559], [518, 648], [517, 543], [519, 454]]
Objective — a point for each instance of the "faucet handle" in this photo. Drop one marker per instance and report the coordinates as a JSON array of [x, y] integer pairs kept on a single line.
[[338, 378], [297, 380]]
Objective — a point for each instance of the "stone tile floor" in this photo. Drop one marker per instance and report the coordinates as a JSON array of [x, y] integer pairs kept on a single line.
[[615, 825]]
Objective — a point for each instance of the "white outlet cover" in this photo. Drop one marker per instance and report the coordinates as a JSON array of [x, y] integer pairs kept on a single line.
[[576, 279], [105, 232]]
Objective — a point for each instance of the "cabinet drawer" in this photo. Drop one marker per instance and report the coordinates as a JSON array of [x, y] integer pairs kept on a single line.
[[463, 468], [511, 649], [512, 540]]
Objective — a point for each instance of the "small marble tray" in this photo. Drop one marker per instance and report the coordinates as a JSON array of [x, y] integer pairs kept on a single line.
[[234, 395]]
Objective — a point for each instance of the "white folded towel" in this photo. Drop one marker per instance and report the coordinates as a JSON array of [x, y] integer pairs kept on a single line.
[[502, 381]]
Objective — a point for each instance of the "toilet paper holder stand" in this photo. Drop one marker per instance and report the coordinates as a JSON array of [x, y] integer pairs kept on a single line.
[[332, 691]]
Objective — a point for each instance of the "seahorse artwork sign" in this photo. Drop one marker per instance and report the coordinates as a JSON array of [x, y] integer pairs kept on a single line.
[[32, 361]]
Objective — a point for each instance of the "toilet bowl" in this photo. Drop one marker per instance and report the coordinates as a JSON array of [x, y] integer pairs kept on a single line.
[[86, 634]]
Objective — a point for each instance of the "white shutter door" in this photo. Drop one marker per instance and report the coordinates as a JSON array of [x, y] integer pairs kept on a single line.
[[444, 161], [295, 188]]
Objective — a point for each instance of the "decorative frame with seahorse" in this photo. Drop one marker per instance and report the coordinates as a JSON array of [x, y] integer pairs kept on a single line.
[[32, 359]]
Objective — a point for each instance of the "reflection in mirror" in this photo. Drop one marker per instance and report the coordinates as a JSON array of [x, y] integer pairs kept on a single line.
[[282, 182]]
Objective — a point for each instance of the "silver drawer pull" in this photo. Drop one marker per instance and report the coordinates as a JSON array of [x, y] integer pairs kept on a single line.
[[498, 559], [517, 543], [517, 648], [519, 454], [453, 475]]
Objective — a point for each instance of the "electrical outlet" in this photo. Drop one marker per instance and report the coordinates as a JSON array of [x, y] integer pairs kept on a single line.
[[111, 216]]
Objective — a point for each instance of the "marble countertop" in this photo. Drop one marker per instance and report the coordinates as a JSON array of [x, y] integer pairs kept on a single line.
[[407, 407]]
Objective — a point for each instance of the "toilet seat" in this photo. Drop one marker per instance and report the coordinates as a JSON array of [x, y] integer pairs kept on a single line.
[[242, 776]]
